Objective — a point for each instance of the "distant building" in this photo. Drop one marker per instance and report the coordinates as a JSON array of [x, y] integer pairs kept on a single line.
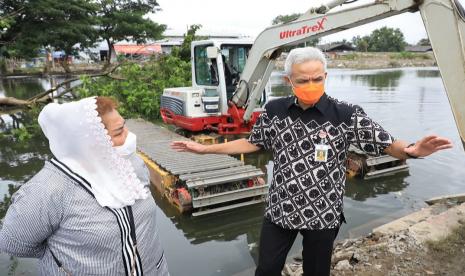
[[162, 46], [59, 56], [137, 50], [336, 47], [332, 50], [172, 39], [167, 45], [419, 48]]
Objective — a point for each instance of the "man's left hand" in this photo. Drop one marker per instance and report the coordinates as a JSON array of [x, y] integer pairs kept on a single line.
[[428, 145]]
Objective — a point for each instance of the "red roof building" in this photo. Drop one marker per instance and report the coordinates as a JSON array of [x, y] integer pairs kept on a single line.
[[131, 49]]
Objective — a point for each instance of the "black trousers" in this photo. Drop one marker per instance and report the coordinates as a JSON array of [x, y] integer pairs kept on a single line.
[[275, 243]]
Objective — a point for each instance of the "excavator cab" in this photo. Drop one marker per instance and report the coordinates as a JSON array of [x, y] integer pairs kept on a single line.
[[217, 66]]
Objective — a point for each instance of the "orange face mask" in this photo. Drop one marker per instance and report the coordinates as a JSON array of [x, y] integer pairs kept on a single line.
[[309, 93]]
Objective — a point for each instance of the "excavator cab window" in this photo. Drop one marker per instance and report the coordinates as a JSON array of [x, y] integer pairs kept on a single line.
[[234, 59], [206, 70]]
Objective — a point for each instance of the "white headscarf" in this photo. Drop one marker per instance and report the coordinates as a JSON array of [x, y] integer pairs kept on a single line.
[[78, 138]]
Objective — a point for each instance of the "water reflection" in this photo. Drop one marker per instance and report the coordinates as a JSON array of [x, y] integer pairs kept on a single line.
[[20, 161], [383, 80], [27, 87], [361, 190], [10, 121], [380, 80], [428, 73], [225, 226], [21, 88]]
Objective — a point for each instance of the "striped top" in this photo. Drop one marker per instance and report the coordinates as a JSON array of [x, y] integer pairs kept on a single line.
[[52, 213]]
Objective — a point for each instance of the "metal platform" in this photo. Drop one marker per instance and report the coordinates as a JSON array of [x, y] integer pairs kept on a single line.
[[197, 171], [393, 165]]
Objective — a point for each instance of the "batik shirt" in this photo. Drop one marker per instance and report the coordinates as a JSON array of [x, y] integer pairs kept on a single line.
[[304, 193]]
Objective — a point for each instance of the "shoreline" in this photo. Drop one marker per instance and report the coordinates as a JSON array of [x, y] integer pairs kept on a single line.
[[348, 60], [365, 61], [330, 66], [49, 74], [429, 241]]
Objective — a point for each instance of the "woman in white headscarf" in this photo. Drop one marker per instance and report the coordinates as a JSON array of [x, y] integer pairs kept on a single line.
[[89, 210]]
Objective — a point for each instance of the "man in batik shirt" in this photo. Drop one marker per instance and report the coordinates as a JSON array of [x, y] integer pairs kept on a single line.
[[309, 135]]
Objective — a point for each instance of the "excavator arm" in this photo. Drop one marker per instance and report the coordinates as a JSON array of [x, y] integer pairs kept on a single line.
[[445, 24], [443, 19]]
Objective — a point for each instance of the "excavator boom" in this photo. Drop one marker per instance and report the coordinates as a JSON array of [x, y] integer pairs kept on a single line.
[[445, 24], [443, 19]]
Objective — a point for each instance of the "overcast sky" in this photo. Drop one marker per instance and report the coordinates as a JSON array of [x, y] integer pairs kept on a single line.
[[249, 17]]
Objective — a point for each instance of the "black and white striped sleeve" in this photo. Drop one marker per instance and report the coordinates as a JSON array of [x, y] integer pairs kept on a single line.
[[35, 212], [367, 135]]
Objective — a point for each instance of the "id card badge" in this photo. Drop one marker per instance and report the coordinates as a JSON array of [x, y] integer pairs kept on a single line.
[[321, 153], [321, 150]]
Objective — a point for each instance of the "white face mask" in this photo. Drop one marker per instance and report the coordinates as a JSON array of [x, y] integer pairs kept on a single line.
[[129, 146]]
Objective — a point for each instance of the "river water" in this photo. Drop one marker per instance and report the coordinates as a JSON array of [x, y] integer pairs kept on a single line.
[[410, 103]]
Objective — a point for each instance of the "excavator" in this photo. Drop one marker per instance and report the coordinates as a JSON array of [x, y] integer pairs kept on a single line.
[[229, 76]]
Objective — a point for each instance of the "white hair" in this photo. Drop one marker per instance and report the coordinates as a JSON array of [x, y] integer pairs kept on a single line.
[[301, 55]]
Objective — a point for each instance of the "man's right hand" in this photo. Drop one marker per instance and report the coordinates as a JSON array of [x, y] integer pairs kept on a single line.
[[188, 146], [233, 147]]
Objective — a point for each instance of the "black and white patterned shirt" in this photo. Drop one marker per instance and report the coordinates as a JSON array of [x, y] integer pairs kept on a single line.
[[304, 193]]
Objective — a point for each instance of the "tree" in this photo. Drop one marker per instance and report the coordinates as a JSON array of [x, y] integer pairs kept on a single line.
[[361, 43], [381, 40], [9, 11], [285, 18], [424, 42], [140, 85], [184, 52], [343, 41], [6, 19], [63, 25], [125, 20], [386, 40]]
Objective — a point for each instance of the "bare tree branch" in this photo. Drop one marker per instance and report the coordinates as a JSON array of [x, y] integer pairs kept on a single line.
[[45, 96]]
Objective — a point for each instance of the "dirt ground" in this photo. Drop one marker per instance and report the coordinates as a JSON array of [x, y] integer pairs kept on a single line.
[[401, 255], [380, 60], [359, 60]]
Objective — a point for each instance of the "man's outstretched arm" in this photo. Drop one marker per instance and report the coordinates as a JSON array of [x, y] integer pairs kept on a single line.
[[424, 147], [233, 147]]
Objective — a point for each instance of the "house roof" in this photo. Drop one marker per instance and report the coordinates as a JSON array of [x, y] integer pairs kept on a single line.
[[138, 49], [418, 48], [335, 47]]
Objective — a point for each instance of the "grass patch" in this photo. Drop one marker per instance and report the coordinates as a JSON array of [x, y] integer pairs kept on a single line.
[[446, 256], [394, 64], [409, 55], [403, 55], [351, 56], [28, 71], [424, 56], [451, 246]]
